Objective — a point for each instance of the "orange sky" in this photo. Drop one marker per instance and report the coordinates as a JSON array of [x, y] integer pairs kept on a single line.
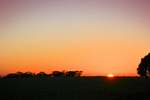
[[97, 37]]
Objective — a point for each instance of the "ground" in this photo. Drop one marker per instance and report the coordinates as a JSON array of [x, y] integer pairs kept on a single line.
[[75, 88]]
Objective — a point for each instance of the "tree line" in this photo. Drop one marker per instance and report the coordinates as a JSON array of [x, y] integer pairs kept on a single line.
[[43, 74]]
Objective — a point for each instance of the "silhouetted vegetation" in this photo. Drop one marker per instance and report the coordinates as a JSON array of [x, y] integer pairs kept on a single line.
[[58, 74], [10, 75], [20, 75], [29, 74], [144, 67], [43, 74], [73, 73]]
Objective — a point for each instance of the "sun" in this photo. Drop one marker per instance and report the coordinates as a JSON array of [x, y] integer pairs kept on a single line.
[[110, 75]]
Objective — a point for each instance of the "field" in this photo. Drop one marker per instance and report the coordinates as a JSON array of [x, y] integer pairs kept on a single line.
[[77, 88]]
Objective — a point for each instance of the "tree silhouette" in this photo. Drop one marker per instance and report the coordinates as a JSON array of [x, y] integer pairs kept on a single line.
[[19, 74], [72, 73], [41, 74], [58, 74], [79, 73], [11, 75], [28, 74], [49, 75], [144, 67]]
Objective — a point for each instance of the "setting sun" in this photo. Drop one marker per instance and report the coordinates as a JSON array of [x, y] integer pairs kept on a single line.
[[110, 75]]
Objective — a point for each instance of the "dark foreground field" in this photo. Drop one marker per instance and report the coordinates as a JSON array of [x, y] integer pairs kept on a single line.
[[77, 88]]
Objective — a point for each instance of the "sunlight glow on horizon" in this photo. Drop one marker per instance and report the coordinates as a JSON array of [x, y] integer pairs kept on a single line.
[[110, 75]]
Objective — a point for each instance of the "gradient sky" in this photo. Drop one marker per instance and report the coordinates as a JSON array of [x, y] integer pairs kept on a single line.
[[98, 37]]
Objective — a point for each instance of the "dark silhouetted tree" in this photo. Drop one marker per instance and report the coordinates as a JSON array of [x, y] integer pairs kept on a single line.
[[11, 75], [28, 74], [78, 73], [71, 73], [58, 74], [41, 74], [49, 75], [144, 67], [19, 74]]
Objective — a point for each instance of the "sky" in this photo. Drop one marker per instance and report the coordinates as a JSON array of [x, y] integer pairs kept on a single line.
[[98, 37]]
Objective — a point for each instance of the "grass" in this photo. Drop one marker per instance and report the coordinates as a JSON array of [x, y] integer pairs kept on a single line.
[[77, 88]]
